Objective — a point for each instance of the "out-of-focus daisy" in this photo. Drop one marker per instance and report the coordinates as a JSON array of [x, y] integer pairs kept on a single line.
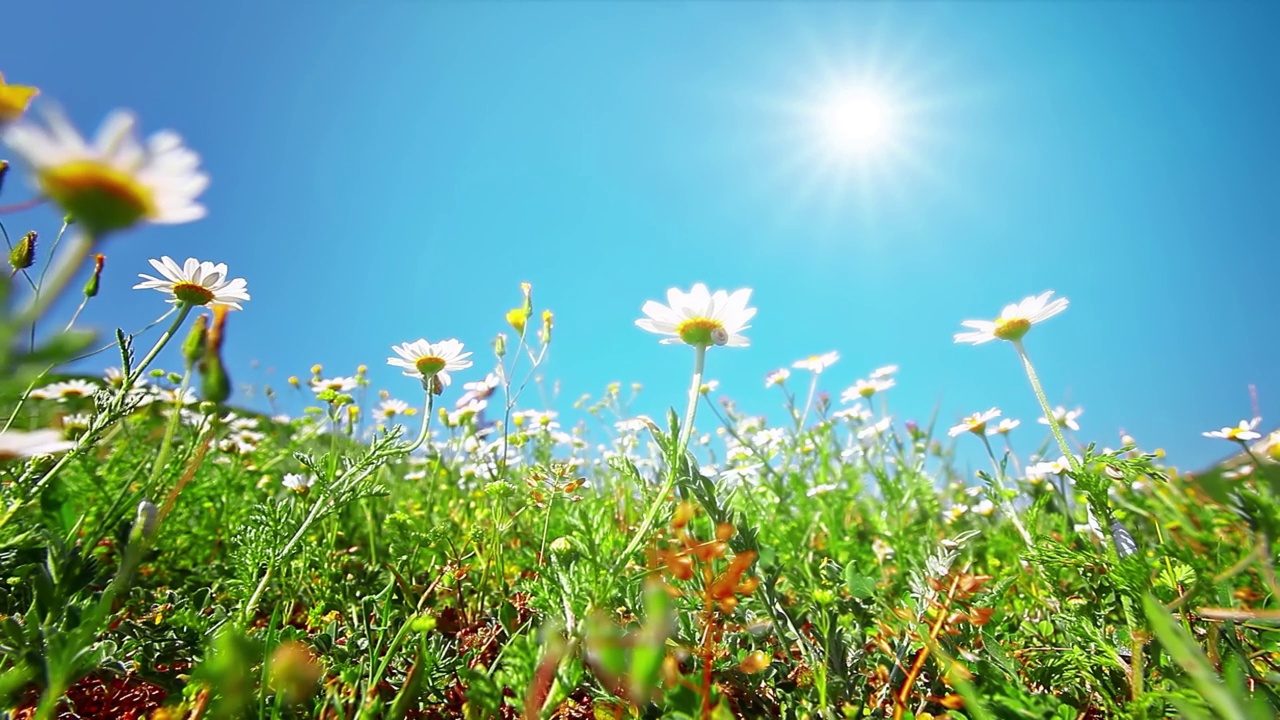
[[66, 390], [866, 388], [985, 508], [425, 360], [976, 423], [700, 318], [19, 444], [14, 100], [1041, 470], [479, 390], [297, 482], [817, 363], [1243, 432], [777, 377], [337, 384], [116, 182], [881, 373], [196, 283], [1065, 417], [174, 396], [1014, 320], [391, 408], [875, 430], [75, 424], [955, 512], [709, 387], [855, 413], [1005, 426]]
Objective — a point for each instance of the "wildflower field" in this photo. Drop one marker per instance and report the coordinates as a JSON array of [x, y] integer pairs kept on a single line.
[[446, 548]]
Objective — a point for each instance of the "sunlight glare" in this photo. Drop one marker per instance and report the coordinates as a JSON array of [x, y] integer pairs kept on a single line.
[[856, 123]]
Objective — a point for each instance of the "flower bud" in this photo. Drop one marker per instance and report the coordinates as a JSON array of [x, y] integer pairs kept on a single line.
[[517, 318], [500, 345], [193, 347], [23, 255], [215, 386], [91, 287], [548, 321]]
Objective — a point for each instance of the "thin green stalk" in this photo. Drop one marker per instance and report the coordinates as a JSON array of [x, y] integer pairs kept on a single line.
[[1005, 505]]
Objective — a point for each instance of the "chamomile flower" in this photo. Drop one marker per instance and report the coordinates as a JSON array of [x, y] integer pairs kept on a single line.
[[115, 182], [391, 408], [65, 391], [817, 363], [195, 283], [297, 482], [19, 444], [881, 373], [1005, 426], [479, 390], [1065, 417], [1014, 320], [425, 360], [866, 388], [976, 423], [337, 384], [1243, 432], [699, 317], [777, 377]]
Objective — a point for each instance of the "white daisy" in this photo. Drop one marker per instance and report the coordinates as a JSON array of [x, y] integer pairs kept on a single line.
[[66, 390], [1005, 425], [19, 444], [391, 408], [195, 283], [425, 360], [1014, 320], [1065, 417], [817, 363], [881, 373], [337, 384], [116, 182], [479, 390], [976, 423], [1244, 432], [700, 318], [777, 377], [865, 389], [297, 483]]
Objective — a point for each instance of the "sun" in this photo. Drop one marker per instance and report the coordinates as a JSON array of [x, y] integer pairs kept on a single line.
[[854, 123]]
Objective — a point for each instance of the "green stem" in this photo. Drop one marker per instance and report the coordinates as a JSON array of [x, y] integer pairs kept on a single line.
[[1044, 405], [78, 252], [695, 390], [183, 311], [1005, 506]]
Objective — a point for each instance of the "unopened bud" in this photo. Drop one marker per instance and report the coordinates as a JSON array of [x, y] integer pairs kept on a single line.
[[527, 289], [23, 255], [145, 522], [215, 385], [91, 287], [548, 321], [193, 346], [500, 345]]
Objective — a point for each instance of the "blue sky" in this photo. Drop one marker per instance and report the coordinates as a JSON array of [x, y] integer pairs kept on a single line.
[[387, 171]]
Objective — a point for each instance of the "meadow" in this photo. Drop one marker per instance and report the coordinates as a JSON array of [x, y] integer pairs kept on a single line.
[[460, 553]]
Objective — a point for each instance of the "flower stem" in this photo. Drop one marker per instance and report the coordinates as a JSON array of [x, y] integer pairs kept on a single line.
[[695, 389], [1044, 405], [77, 252], [1005, 506], [183, 311]]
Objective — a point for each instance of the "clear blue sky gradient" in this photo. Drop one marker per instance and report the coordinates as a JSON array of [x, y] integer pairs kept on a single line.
[[384, 171]]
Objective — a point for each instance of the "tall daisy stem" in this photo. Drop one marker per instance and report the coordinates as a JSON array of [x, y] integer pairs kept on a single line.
[[695, 390], [1044, 405], [1005, 506], [184, 309], [426, 423]]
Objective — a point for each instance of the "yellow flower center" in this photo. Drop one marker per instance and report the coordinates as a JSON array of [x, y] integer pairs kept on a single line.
[[72, 393], [976, 424], [14, 100], [699, 331], [98, 195], [192, 294], [867, 391], [429, 366], [1011, 329]]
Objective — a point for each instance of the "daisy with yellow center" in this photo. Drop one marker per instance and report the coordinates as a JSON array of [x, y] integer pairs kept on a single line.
[[817, 363], [196, 283], [1244, 432], [425, 360], [14, 100], [1014, 320], [976, 423], [115, 182], [699, 317]]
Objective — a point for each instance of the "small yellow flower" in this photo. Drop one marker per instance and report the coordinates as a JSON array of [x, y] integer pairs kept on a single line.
[[14, 100]]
